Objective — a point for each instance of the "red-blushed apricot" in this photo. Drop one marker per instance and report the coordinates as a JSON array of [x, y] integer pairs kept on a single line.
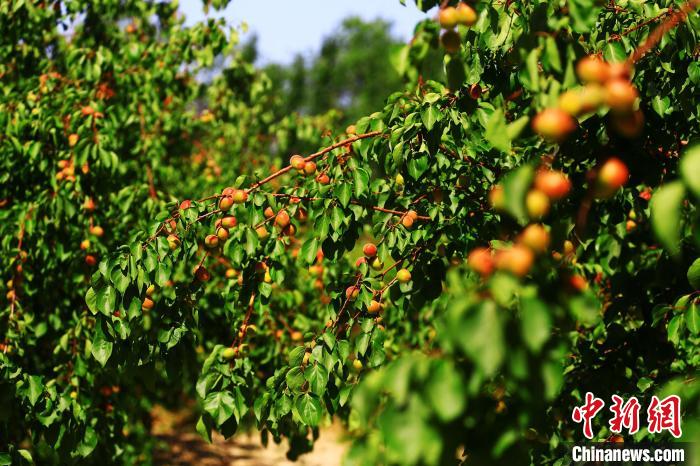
[[282, 219], [229, 353], [577, 283], [535, 237], [630, 225], [592, 97], [620, 96], [202, 274], [173, 242], [497, 198], [231, 273], [360, 261], [289, 230], [211, 241], [297, 161], [374, 307], [222, 234], [225, 203], [612, 175], [351, 293], [554, 124], [481, 261], [466, 15], [147, 304], [369, 249], [592, 69], [620, 70], [403, 276], [97, 230], [451, 41], [89, 204], [90, 260], [351, 130], [517, 260], [309, 168], [628, 125], [228, 191], [85, 244], [553, 183], [262, 232], [323, 179], [72, 140], [229, 222], [186, 204], [448, 17], [268, 212], [239, 196], [571, 102], [537, 204]]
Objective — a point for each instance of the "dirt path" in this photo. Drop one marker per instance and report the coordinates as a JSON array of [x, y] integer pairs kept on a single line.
[[182, 446]]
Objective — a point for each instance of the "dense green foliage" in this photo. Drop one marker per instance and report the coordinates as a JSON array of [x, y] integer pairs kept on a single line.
[[281, 323], [350, 73]]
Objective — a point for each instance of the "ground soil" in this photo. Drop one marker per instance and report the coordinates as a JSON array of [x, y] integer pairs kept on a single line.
[[180, 445]]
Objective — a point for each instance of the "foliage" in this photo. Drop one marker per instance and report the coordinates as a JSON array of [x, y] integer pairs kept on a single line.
[[493, 301], [349, 73]]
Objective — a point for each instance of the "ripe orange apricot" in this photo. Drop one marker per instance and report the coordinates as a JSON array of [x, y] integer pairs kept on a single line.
[[481, 261], [620, 96], [552, 183], [517, 260], [537, 204], [351, 293], [451, 41], [553, 124], [297, 161], [403, 276], [612, 175], [466, 15], [282, 219], [225, 203], [535, 237], [592, 69], [369, 250], [448, 17]]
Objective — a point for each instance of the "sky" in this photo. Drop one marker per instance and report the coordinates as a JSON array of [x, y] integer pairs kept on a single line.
[[287, 27]]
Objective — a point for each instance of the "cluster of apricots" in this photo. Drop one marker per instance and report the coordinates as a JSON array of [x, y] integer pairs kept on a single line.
[[604, 85], [548, 185], [449, 18], [303, 167]]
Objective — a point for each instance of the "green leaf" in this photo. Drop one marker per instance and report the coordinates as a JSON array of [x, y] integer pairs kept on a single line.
[[516, 184], [692, 318], [666, 215], [308, 408], [446, 391], [106, 300], [536, 323], [694, 274], [344, 192], [430, 116], [295, 378], [5, 459], [91, 300], [309, 251], [317, 376], [482, 337], [515, 128], [361, 178], [496, 131], [36, 388], [690, 169], [101, 348], [220, 406], [614, 52], [644, 383], [89, 442]]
